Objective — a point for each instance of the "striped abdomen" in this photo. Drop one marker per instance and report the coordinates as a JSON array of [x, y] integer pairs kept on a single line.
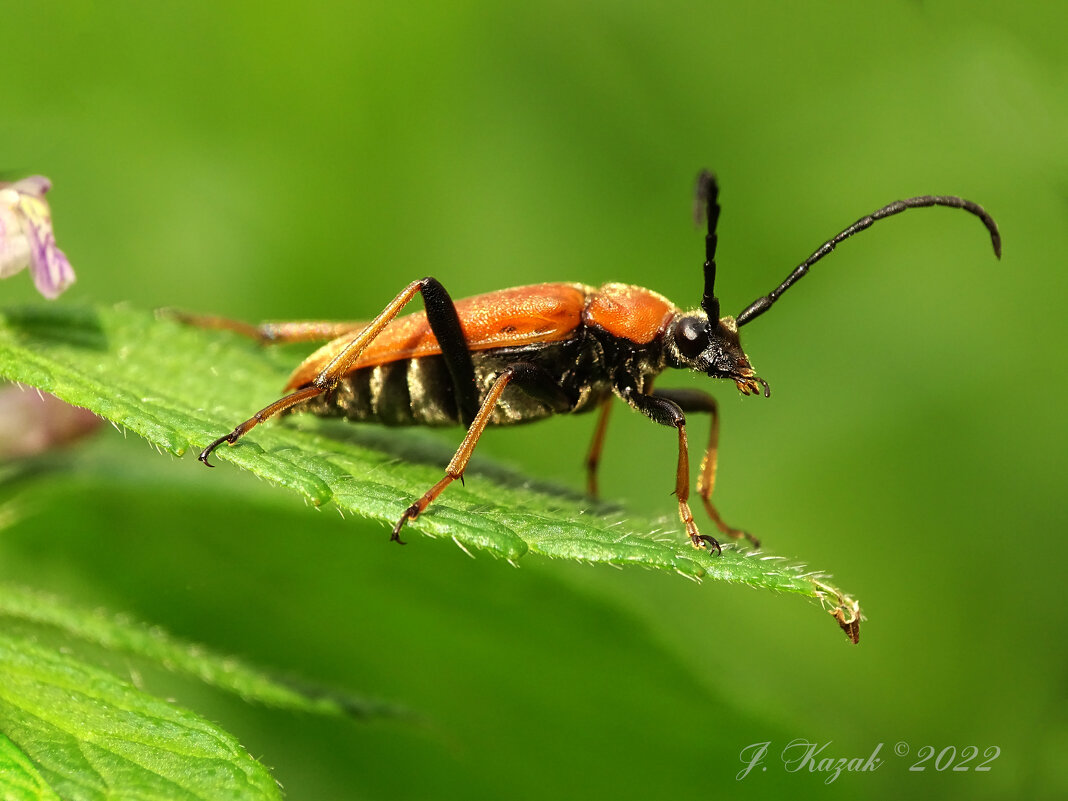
[[419, 391]]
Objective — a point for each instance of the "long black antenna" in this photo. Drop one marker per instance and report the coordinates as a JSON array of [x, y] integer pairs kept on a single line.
[[706, 205], [762, 304]]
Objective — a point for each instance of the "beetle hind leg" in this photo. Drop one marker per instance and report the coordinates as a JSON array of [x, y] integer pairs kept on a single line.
[[265, 413], [280, 333], [444, 322]]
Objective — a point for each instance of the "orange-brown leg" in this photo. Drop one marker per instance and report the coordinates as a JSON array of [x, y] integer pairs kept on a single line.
[[534, 380], [265, 413], [593, 458], [691, 400], [682, 493], [328, 378], [660, 408], [281, 333]]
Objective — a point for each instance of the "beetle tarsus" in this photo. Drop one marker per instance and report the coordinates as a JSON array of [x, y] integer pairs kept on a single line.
[[409, 514], [705, 541], [204, 454]]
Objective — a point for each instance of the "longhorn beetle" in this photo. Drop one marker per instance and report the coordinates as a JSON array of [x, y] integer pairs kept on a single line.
[[523, 354]]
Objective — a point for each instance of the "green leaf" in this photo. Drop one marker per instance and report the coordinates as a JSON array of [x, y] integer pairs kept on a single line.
[[118, 634], [19, 779], [180, 387], [81, 732], [75, 731]]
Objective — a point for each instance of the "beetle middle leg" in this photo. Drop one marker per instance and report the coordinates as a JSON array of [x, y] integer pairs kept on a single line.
[[593, 456], [694, 400], [535, 381], [444, 322]]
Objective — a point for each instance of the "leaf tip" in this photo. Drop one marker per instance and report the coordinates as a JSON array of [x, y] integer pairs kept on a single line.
[[845, 610]]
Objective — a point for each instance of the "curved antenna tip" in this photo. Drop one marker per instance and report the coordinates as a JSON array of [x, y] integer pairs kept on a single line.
[[763, 303], [988, 221]]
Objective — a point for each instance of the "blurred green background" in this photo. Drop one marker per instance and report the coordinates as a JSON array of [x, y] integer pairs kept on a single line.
[[273, 161]]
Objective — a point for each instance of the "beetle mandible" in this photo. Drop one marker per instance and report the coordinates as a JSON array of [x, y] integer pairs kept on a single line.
[[526, 353]]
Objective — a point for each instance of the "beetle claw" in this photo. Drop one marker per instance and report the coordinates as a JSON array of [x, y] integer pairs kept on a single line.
[[705, 541], [409, 514], [204, 454]]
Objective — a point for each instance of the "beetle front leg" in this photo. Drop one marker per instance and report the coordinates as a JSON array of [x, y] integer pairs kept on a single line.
[[664, 410], [694, 400]]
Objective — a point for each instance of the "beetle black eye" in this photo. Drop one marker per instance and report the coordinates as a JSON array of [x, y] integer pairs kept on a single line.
[[691, 337]]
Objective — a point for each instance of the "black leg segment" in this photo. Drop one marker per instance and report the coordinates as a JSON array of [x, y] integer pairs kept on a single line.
[[658, 408], [445, 323], [689, 400]]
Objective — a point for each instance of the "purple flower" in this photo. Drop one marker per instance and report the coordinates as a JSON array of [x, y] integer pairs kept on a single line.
[[26, 237]]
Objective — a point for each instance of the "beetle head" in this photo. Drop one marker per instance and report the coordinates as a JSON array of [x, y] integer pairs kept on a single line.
[[713, 349]]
